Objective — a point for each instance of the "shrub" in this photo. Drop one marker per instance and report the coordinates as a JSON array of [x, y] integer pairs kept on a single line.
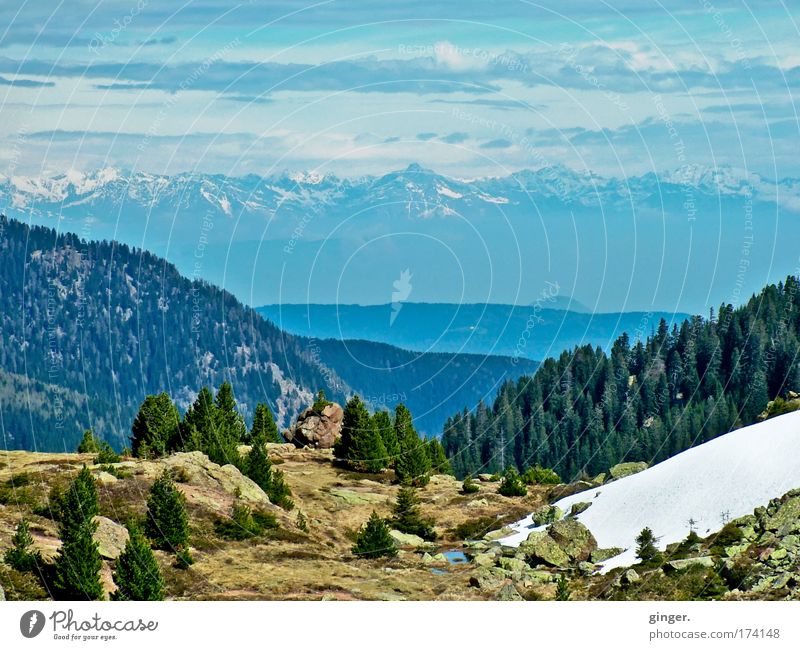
[[183, 558], [106, 454], [373, 540], [302, 522], [21, 556], [320, 402], [407, 516], [512, 485], [88, 444], [563, 591], [469, 486], [730, 535], [244, 523], [541, 476]]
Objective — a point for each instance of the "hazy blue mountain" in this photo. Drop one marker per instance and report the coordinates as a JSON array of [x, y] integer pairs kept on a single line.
[[669, 242], [534, 332]]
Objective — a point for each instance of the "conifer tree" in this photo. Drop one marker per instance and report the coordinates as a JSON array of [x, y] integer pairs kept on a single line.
[[360, 445], [439, 462], [413, 464], [374, 540], [407, 516], [258, 466], [264, 423], [512, 484], [382, 423], [21, 556], [78, 563], [167, 523], [137, 574], [229, 430], [646, 549], [469, 486], [320, 402], [155, 430], [88, 444], [563, 591], [279, 491], [199, 422]]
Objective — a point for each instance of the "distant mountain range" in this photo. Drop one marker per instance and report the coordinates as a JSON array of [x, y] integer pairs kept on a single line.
[[90, 328], [669, 242], [534, 332]]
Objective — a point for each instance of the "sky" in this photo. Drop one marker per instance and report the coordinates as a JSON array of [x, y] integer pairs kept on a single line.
[[364, 87]]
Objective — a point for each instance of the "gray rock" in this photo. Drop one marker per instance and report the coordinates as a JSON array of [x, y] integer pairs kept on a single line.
[[509, 592], [512, 564], [110, 537], [578, 508], [540, 548], [493, 535], [318, 430], [406, 540], [586, 568], [546, 515], [487, 578], [574, 538], [703, 561], [626, 469], [629, 577], [603, 554]]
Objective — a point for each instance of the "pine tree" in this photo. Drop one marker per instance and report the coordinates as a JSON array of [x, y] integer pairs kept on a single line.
[[258, 466], [88, 444], [563, 591], [78, 563], [279, 491], [382, 423], [374, 540], [155, 430], [439, 462], [264, 423], [320, 403], [408, 517], [198, 428], [469, 486], [229, 430], [360, 445], [137, 574], [167, 523], [512, 484], [20, 556], [413, 464], [646, 549]]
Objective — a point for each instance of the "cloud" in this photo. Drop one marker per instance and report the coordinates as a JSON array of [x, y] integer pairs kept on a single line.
[[456, 137], [25, 83], [499, 143], [426, 136]]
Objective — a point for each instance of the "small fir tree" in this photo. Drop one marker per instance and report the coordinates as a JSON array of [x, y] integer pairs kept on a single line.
[[413, 465], [563, 591], [320, 402], [167, 523], [198, 427], [78, 563], [374, 540], [21, 556], [264, 424], [229, 431], [88, 444], [407, 516], [469, 486], [360, 445], [382, 423], [257, 465], [156, 429], [279, 491], [512, 484], [646, 549], [439, 462], [137, 574]]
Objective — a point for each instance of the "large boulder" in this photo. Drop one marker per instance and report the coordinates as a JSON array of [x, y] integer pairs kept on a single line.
[[786, 518], [317, 429], [546, 515], [110, 537], [573, 538], [407, 540], [540, 548], [627, 469]]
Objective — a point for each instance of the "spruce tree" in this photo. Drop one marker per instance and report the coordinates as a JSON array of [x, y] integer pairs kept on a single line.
[[155, 430], [78, 563], [563, 591], [646, 549], [279, 491], [360, 445], [167, 523], [512, 484], [264, 423], [137, 574], [374, 540], [88, 444], [439, 462], [21, 556], [199, 422], [382, 423], [407, 517], [469, 486], [229, 430], [413, 464], [258, 466]]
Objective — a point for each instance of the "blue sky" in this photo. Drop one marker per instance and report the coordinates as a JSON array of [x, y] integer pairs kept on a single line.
[[469, 89]]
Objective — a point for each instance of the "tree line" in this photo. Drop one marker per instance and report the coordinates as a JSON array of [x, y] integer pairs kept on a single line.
[[587, 410]]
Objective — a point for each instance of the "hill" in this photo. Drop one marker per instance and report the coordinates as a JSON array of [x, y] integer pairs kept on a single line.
[[91, 328], [535, 331]]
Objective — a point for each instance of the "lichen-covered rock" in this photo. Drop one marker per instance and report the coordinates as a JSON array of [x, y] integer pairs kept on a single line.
[[488, 578], [574, 538], [514, 565], [578, 508], [407, 540], [629, 577], [354, 498], [603, 554], [586, 568], [498, 534], [786, 518], [509, 593], [540, 548], [319, 430], [627, 469], [484, 559], [546, 515], [105, 478], [110, 537], [703, 561]]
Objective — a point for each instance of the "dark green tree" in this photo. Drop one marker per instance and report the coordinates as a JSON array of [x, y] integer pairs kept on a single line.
[[279, 492], [646, 549], [137, 574], [563, 591], [167, 523], [407, 516], [229, 430], [512, 484], [257, 464], [156, 428], [382, 423], [374, 540], [21, 555], [320, 402], [439, 462], [264, 423], [413, 465], [78, 563], [360, 445], [198, 427], [88, 444], [469, 486]]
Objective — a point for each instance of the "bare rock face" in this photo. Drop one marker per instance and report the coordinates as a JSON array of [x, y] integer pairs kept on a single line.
[[317, 429]]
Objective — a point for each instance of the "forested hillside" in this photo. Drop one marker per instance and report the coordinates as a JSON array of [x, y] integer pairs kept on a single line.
[[647, 400], [91, 328]]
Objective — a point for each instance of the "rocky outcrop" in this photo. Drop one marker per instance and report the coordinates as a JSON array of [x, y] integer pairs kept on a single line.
[[407, 540], [574, 539], [540, 549], [110, 537], [546, 515], [626, 469], [317, 429]]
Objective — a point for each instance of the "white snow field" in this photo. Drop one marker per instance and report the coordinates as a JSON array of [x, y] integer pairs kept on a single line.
[[732, 474]]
